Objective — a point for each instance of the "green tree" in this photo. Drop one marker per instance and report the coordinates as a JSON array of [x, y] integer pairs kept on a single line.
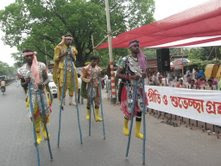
[[19, 60], [5, 69], [134, 14], [39, 24], [138, 12]]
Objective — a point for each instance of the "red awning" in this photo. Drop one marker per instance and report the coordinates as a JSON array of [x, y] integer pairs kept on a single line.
[[193, 24]]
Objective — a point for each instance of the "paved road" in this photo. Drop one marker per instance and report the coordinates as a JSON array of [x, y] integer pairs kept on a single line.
[[166, 145]]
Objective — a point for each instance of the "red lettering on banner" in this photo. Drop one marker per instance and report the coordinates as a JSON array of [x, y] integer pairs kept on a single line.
[[210, 107], [213, 107], [165, 101], [154, 96], [183, 102], [175, 101], [198, 105], [218, 107]]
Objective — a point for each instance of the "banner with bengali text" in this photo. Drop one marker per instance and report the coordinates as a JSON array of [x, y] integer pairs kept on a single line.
[[201, 105]]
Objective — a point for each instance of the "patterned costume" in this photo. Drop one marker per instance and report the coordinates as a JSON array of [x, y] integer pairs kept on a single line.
[[131, 67], [90, 75], [59, 69], [127, 67], [25, 72]]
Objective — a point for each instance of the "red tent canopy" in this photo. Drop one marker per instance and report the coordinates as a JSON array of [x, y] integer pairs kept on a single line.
[[201, 24]]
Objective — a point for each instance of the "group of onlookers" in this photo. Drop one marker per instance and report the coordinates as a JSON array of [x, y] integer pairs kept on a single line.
[[191, 80]]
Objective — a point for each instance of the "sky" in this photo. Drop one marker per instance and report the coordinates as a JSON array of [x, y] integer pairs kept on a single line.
[[163, 9], [6, 51]]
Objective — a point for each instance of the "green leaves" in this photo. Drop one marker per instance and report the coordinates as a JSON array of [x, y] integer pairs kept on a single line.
[[39, 24], [5, 69]]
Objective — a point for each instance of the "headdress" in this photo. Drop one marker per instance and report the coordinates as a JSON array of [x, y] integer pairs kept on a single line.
[[34, 66], [140, 56]]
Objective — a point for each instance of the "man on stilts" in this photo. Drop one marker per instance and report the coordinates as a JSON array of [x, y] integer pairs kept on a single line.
[[63, 49], [65, 76], [35, 73], [91, 75], [130, 69]]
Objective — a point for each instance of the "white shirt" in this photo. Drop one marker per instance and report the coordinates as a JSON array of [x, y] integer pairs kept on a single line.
[[79, 83], [3, 83]]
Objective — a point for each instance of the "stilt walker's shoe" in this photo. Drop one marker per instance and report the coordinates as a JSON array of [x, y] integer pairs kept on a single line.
[[45, 134], [125, 128], [138, 134], [97, 116], [38, 131], [88, 114], [39, 137]]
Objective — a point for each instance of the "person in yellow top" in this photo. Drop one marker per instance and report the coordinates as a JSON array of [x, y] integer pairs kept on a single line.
[[62, 50]]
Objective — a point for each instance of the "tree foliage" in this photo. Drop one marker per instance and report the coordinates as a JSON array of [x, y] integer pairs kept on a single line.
[[200, 57], [39, 24], [139, 12], [5, 69], [206, 53]]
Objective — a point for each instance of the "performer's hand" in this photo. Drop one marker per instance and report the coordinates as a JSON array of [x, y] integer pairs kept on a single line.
[[63, 54], [144, 75], [134, 77], [19, 76], [87, 80], [40, 86], [28, 80]]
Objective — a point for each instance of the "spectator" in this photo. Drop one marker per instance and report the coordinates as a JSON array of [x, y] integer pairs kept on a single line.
[[192, 84], [180, 84]]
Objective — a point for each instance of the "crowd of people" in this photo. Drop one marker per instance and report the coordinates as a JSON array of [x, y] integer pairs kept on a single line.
[[194, 79]]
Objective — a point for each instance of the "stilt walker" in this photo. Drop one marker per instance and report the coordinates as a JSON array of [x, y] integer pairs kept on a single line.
[[91, 76], [65, 76], [33, 74], [132, 71]]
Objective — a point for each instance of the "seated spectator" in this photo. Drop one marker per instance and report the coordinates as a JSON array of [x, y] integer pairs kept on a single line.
[[192, 84], [210, 85], [160, 80], [200, 74], [219, 85], [200, 83], [180, 84], [215, 83]]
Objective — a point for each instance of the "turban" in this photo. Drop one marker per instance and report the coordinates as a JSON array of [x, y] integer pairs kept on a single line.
[[34, 66]]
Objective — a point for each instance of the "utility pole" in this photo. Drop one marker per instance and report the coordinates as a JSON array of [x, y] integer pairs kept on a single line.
[[46, 57], [181, 52], [92, 41], [109, 34]]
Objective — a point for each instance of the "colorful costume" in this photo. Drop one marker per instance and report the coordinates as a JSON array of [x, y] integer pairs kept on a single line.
[[90, 75], [59, 69], [131, 66], [25, 72]]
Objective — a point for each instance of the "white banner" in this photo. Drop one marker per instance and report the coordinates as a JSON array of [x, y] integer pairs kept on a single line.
[[201, 105]]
